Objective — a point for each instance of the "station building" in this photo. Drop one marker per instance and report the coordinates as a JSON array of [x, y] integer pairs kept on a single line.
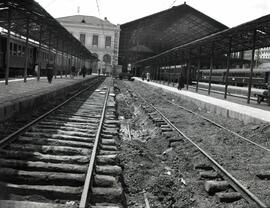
[[101, 37]]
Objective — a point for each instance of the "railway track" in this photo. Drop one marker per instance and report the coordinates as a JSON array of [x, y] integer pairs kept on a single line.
[[65, 158], [18, 121], [249, 178]]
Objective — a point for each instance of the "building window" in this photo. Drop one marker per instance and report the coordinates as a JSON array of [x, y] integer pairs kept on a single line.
[[95, 40], [108, 41], [82, 38]]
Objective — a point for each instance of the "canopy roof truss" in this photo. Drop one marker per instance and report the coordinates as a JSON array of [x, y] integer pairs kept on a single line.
[[240, 37], [167, 29], [43, 28]]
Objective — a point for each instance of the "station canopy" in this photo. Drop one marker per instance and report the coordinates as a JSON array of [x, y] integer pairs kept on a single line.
[[42, 27], [254, 34], [164, 30]]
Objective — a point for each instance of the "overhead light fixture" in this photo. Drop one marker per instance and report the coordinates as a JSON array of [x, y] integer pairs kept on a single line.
[[262, 32]]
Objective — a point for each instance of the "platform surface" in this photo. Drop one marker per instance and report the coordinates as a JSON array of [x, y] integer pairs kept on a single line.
[[17, 89], [232, 104], [28, 204]]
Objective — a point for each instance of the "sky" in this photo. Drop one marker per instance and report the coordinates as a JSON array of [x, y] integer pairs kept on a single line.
[[228, 12]]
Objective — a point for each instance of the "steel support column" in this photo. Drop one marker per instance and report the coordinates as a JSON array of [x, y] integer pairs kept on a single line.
[[8, 47], [159, 70], [198, 69], [188, 69], [251, 65], [26, 51], [49, 51], [71, 64], [169, 70], [55, 59], [62, 61], [228, 67], [39, 53], [211, 68], [156, 69], [175, 68]]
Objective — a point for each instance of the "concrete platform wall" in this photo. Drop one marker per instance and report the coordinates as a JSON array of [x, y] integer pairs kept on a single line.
[[220, 107], [31, 101]]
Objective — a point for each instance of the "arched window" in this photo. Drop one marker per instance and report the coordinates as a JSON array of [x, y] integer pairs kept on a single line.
[[107, 59]]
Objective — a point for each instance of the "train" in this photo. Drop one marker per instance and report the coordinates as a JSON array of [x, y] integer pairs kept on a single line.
[[37, 56], [236, 77]]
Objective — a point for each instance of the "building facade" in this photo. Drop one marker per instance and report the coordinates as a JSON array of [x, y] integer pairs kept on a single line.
[[99, 36]]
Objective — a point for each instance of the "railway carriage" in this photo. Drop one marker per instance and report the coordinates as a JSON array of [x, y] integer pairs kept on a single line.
[[172, 73], [36, 56], [237, 77]]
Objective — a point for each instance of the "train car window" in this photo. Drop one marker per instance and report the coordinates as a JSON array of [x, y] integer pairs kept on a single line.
[[19, 50], [23, 50], [15, 49], [10, 48]]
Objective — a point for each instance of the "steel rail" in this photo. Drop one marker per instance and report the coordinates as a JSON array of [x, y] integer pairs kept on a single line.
[[85, 197], [220, 126], [12, 136], [249, 196]]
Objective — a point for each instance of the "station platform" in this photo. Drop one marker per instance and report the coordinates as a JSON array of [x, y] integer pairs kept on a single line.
[[232, 90], [233, 107], [19, 96]]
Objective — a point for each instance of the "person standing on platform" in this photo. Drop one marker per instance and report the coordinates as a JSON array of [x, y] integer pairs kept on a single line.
[[49, 69], [72, 72], [98, 72], [148, 76], [83, 71], [180, 81], [143, 76]]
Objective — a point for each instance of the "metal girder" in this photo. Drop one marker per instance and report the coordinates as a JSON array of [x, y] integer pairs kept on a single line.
[[167, 29], [242, 39], [29, 9]]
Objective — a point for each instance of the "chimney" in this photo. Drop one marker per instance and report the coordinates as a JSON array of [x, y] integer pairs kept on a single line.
[[105, 18]]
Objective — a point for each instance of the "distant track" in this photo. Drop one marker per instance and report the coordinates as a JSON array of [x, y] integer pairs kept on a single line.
[[52, 159], [247, 194]]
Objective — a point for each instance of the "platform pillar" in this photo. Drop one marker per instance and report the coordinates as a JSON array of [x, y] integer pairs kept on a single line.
[[188, 69], [211, 68], [157, 75], [49, 51], [169, 70], [8, 47], [39, 53], [228, 67], [198, 69], [251, 65], [62, 61], [55, 59], [26, 54]]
